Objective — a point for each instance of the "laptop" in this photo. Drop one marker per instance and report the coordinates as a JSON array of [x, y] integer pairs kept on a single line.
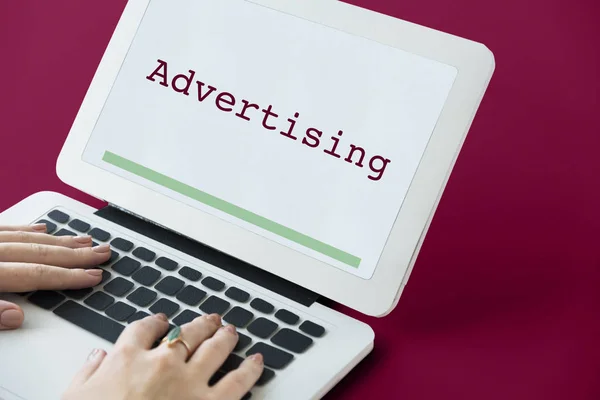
[[255, 157]]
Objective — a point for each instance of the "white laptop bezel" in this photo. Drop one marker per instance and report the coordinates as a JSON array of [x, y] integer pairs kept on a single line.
[[376, 296]]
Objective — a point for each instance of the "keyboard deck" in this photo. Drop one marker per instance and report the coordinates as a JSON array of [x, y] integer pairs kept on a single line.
[[138, 281]]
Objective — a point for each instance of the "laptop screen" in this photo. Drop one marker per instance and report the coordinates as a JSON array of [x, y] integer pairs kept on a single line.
[[298, 132]]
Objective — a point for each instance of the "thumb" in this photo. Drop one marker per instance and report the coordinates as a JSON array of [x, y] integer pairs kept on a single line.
[[91, 365], [11, 315]]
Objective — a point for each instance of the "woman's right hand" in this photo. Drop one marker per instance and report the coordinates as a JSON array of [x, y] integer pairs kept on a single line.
[[136, 371]]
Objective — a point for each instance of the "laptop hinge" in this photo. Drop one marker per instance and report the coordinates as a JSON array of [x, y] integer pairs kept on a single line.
[[208, 254]]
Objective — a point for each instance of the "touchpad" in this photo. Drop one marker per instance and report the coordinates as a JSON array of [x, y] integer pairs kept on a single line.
[[39, 360], [6, 395]]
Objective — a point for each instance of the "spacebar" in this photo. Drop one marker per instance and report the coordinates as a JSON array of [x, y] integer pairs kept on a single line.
[[90, 320]]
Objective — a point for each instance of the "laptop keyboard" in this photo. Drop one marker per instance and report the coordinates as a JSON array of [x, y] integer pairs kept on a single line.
[[134, 286]]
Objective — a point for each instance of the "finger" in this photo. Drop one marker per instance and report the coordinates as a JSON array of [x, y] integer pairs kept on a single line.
[[54, 255], [11, 315], [238, 382], [21, 277], [213, 352], [42, 238], [143, 333], [87, 370], [194, 333], [24, 228]]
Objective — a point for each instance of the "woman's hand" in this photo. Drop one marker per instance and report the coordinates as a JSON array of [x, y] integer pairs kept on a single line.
[[32, 260], [136, 371]]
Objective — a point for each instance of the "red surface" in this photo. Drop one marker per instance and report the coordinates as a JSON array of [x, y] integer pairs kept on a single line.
[[504, 302]]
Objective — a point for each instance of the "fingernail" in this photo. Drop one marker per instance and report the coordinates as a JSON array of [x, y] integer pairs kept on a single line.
[[82, 239], [103, 248], [39, 227], [230, 328], [11, 318], [216, 318], [94, 272], [161, 316], [93, 354], [257, 358]]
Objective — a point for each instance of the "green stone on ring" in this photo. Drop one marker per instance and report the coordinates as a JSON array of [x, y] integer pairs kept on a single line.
[[174, 334]]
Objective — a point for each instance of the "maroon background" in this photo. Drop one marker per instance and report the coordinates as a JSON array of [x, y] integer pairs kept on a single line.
[[504, 302]]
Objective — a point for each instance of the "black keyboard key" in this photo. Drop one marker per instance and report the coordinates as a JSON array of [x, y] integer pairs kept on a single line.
[[262, 306], [169, 286], [265, 377], [243, 342], [146, 276], [292, 340], [65, 232], [99, 300], [121, 244], [312, 329], [217, 376], [237, 294], [213, 283], [287, 317], [273, 357], [118, 286], [144, 254], [120, 311], [105, 276], [191, 295], [190, 273], [50, 226], [99, 234], [262, 327], [166, 263], [46, 299], [79, 225], [58, 216], [126, 266], [165, 306], [90, 320], [113, 256], [233, 361], [142, 296], [136, 316], [238, 317], [185, 317], [77, 294], [214, 305]]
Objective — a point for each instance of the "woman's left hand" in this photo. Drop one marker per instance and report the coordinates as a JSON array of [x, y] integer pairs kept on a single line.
[[32, 260]]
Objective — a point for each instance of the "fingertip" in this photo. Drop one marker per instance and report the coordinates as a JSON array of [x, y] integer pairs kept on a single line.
[[215, 318], [144, 332], [11, 318], [40, 228], [81, 241], [257, 358], [102, 249], [239, 381], [162, 317], [78, 278], [96, 355], [93, 361]]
